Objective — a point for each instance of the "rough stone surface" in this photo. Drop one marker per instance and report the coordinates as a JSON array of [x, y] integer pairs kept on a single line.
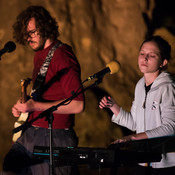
[[99, 31]]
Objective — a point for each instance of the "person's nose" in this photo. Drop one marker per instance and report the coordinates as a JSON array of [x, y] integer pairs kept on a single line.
[[146, 57]]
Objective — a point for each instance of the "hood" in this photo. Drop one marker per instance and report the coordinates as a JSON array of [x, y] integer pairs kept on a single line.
[[163, 78]]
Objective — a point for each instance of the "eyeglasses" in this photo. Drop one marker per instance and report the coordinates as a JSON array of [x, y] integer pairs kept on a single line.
[[31, 34]]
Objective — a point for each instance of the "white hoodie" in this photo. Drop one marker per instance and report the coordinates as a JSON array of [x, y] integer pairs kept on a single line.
[[157, 118]]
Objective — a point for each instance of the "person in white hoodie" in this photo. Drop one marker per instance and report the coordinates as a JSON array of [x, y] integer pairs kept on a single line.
[[153, 110]]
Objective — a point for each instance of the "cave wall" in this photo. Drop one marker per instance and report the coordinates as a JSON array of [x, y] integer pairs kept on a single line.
[[99, 31]]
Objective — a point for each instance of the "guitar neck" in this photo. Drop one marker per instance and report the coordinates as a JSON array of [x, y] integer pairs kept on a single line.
[[24, 84], [23, 95]]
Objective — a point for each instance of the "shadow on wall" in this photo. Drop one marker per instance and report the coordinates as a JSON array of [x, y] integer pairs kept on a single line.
[[163, 15]]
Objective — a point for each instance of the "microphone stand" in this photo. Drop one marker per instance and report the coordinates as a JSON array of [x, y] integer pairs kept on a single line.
[[49, 117]]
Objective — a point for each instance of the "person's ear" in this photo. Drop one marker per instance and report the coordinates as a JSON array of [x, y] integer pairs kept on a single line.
[[164, 63]]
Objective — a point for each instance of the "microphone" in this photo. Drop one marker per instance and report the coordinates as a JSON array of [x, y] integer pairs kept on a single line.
[[8, 47], [112, 67]]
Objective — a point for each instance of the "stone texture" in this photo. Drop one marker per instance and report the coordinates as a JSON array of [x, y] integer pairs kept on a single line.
[[99, 31]]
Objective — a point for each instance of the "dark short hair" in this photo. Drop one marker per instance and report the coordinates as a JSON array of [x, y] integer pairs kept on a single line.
[[46, 24], [162, 44]]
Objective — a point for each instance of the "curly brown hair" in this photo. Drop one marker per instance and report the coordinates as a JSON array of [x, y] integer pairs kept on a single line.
[[47, 25]]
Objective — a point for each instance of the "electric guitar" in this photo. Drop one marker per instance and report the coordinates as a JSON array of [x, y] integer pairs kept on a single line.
[[23, 117]]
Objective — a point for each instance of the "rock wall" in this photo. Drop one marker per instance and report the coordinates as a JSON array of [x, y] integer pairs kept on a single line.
[[99, 31]]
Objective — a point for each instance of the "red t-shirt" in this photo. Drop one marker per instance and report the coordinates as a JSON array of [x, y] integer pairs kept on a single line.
[[62, 78]]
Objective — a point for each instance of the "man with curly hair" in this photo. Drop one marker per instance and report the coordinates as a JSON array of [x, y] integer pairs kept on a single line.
[[35, 27]]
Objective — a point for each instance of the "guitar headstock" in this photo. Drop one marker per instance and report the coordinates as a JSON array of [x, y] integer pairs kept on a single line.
[[25, 82]]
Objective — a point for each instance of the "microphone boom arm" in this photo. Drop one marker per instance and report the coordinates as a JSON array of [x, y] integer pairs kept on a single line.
[[47, 113]]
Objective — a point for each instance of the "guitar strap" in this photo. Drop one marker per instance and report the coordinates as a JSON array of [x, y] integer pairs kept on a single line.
[[39, 82]]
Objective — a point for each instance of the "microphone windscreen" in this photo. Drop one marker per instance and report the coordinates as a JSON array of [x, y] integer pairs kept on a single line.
[[10, 46], [114, 67]]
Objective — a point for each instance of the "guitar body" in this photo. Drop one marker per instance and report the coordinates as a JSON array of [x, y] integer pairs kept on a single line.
[[23, 117], [21, 120]]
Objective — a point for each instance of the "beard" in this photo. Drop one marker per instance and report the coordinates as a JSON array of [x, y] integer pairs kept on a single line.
[[39, 45]]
